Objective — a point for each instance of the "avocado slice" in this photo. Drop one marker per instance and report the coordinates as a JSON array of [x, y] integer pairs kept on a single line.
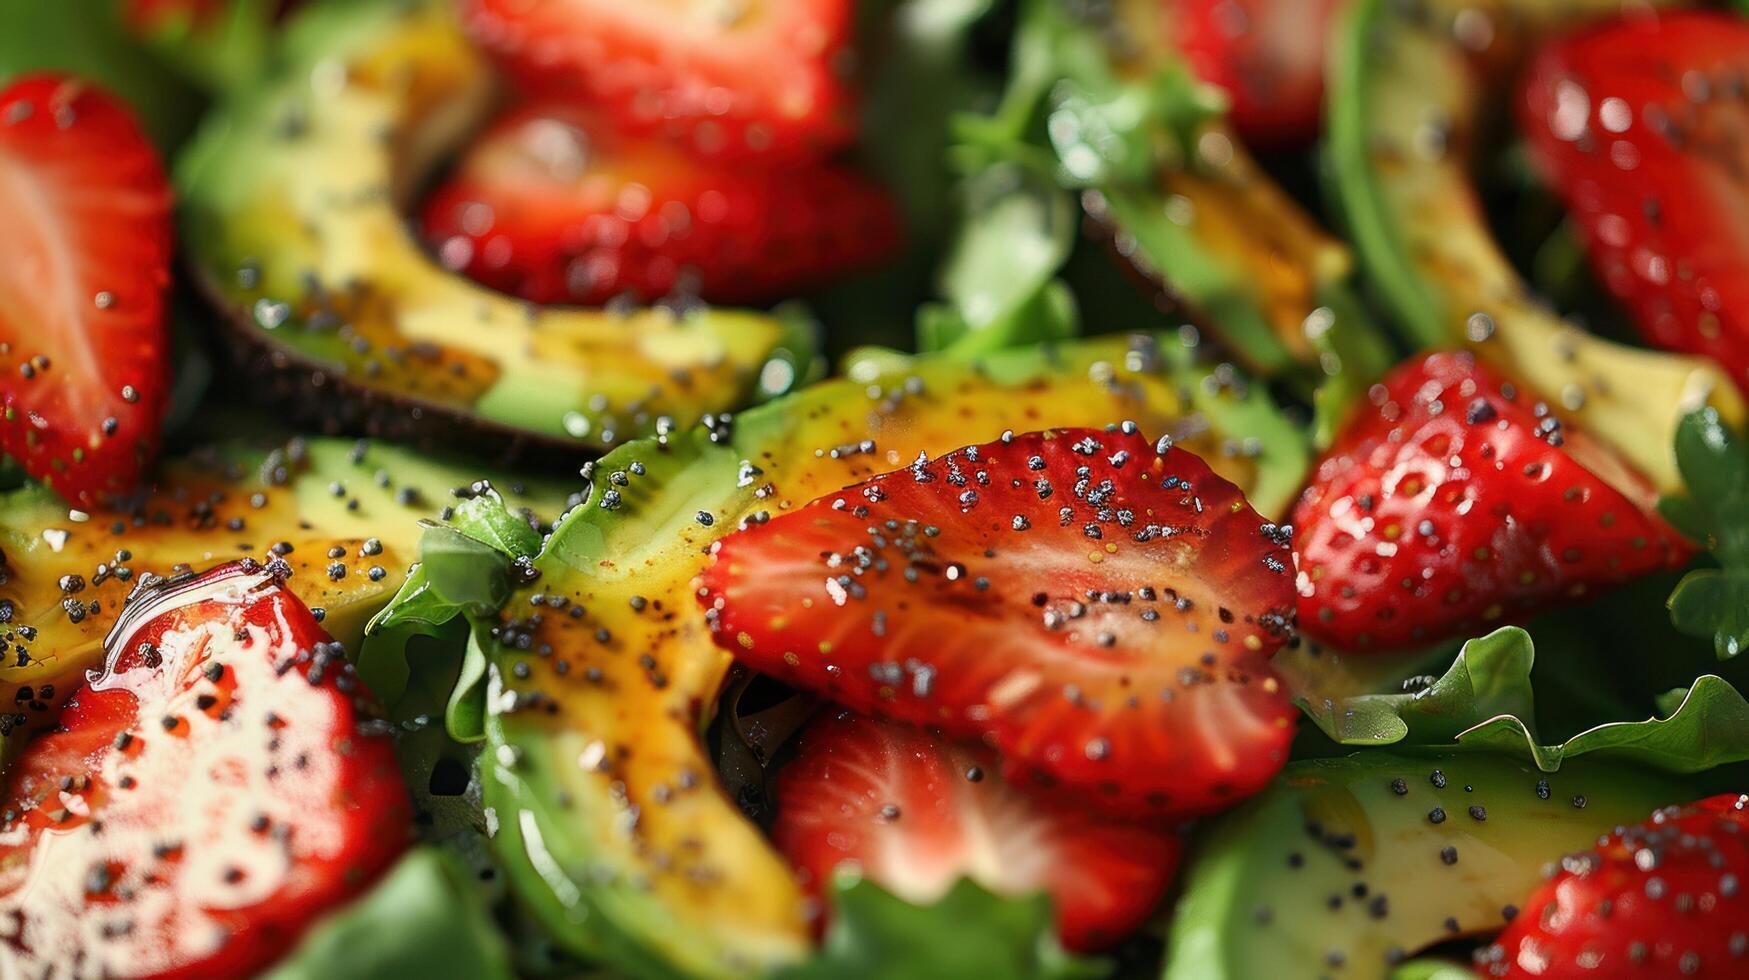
[[1408, 87], [1168, 182], [64, 577], [290, 213], [610, 824], [1348, 865]]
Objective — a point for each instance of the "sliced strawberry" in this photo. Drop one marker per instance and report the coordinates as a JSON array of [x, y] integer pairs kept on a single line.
[[213, 790], [1643, 129], [1098, 609], [1455, 502], [554, 207], [84, 263], [1661, 899], [748, 78], [1268, 55], [916, 813]]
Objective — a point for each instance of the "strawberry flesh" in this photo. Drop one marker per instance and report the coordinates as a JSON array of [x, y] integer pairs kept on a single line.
[[753, 78], [553, 206], [1642, 128], [915, 814], [1098, 608], [212, 791], [1454, 502], [1267, 55], [1660, 899], [84, 264]]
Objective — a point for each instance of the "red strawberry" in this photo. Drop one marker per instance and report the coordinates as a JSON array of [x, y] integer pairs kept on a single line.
[[554, 207], [746, 78], [1098, 609], [1661, 899], [84, 263], [916, 814], [1268, 55], [209, 794], [1643, 129], [1454, 502]]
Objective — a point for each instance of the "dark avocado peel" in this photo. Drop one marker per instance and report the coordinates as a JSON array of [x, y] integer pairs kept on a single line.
[[602, 673], [1407, 92], [343, 514], [290, 215], [1349, 865]]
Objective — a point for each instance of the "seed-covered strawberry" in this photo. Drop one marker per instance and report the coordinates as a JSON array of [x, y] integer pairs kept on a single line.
[[916, 813], [84, 262], [1642, 127], [753, 78], [1660, 899], [554, 206], [214, 789], [1097, 607], [1455, 501]]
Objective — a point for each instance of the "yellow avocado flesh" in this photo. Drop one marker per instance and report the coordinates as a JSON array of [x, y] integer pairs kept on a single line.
[[290, 208], [611, 823], [63, 582], [1343, 869]]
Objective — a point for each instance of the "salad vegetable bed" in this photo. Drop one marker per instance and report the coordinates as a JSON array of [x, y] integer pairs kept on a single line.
[[887, 489]]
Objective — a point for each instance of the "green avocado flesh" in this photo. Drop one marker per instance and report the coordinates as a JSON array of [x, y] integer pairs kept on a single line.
[[62, 578], [1340, 870], [610, 823], [290, 212], [1407, 94]]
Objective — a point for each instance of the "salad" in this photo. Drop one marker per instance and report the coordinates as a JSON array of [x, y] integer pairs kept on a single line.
[[901, 489]]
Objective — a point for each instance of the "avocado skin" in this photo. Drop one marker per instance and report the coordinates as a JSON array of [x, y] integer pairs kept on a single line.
[[611, 826], [289, 210], [1339, 870], [1405, 108], [232, 500]]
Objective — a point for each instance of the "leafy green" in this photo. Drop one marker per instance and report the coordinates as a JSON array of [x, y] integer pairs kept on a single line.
[[1713, 603], [1490, 677], [464, 569], [221, 51], [1710, 727], [1017, 230], [1484, 701], [969, 932], [423, 920], [86, 38], [1352, 354]]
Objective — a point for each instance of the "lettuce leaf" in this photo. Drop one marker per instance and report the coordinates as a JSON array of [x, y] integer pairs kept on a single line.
[[1713, 603], [969, 932]]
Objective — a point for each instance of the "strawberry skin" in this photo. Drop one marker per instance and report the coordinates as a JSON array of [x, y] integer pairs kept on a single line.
[[1097, 608], [1453, 502], [1267, 55], [1642, 128], [758, 78], [553, 206], [218, 786], [915, 813], [1661, 899], [84, 264]]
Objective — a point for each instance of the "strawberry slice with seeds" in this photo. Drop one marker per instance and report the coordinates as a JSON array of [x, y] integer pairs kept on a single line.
[[1660, 899], [554, 207], [1098, 608], [1267, 55], [84, 264], [726, 80], [213, 790], [915, 813], [1642, 128], [1455, 502]]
